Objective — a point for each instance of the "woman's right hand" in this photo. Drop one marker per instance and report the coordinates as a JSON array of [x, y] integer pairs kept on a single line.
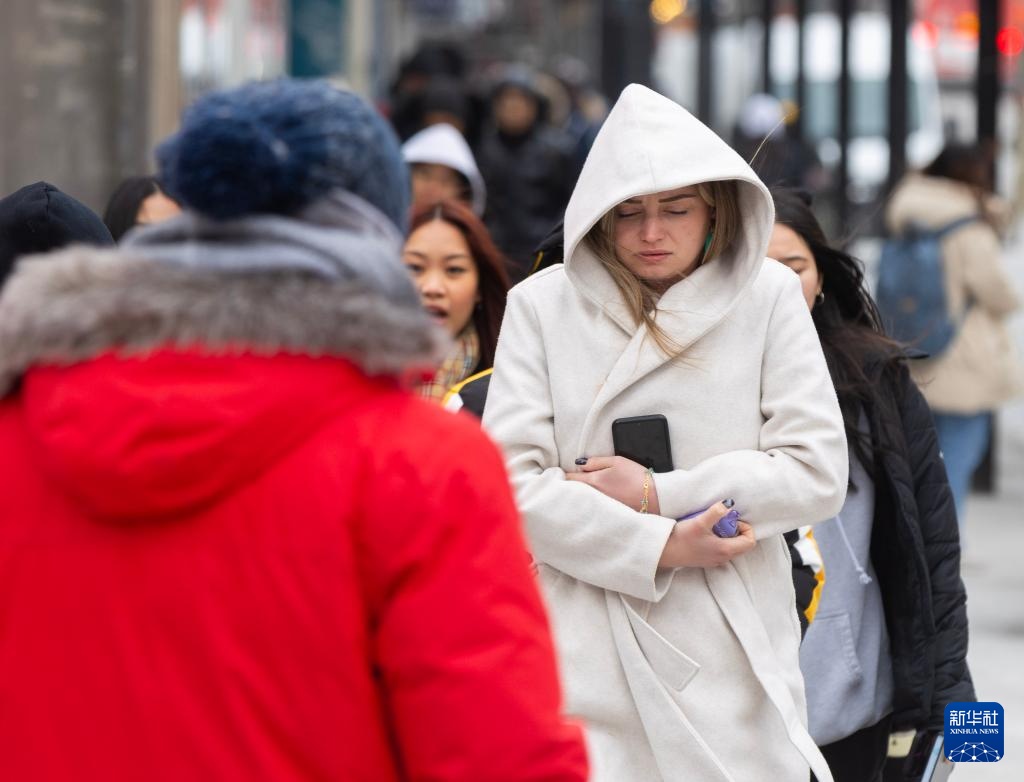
[[693, 544]]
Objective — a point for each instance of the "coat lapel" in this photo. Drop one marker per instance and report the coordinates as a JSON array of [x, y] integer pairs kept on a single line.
[[687, 312]]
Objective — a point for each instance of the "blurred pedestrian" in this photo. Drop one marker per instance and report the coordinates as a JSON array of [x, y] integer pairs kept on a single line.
[[39, 218], [444, 102], [979, 370], [679, 648], [893, 605], [765, 136], [443, 169], [529, 170], [801, 166], [138, 200], [233, 547], [760, 126], [430, 63], [462, 284], [587, 107]]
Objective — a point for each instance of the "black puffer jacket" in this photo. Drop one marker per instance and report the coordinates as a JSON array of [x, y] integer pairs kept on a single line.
[[529, 179], [915, 548]]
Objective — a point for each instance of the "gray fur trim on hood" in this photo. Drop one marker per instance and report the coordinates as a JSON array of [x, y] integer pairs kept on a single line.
[[69, 307], [327, 282]]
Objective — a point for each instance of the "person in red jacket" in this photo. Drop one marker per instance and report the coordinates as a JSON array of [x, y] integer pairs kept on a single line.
[[232, 545]]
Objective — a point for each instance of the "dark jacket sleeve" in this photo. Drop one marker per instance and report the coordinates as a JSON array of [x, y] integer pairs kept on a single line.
[[939, 532], [474, 394]]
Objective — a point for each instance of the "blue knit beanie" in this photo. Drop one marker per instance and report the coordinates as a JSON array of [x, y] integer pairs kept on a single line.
[[275, 147]]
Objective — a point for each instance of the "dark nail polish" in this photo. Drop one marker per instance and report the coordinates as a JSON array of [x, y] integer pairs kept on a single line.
[[581, 461], [728, 503]]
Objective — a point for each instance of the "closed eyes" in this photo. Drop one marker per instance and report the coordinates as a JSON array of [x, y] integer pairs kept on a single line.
[[673, 212]]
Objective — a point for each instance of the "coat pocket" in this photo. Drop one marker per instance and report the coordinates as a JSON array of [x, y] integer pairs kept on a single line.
[[837, 627], [671, 665]]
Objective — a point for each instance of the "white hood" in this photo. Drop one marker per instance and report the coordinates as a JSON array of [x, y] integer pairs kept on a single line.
[[649, 144], [443, 145]]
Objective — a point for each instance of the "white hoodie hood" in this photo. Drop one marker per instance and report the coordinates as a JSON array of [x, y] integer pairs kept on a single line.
[[650, 144], [443, 145]]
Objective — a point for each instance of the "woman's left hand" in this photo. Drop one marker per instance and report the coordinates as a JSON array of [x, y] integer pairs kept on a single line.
[[620, 478]]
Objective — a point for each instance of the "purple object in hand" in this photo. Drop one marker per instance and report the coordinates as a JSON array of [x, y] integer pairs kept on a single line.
[[726, 527]]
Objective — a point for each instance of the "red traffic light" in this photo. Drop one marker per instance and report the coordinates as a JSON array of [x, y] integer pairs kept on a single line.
[[1010, 41]]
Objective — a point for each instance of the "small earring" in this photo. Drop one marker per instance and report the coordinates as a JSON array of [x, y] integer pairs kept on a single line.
[[820, 298], [707, 245]]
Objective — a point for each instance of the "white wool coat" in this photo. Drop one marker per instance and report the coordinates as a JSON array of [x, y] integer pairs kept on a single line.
[[689, 673]]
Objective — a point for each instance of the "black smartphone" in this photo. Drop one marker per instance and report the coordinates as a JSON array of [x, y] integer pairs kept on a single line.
[[921, 751], [644, 439]]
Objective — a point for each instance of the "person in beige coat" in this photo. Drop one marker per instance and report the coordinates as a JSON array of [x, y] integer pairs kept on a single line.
[[678, 649], [979, 371]]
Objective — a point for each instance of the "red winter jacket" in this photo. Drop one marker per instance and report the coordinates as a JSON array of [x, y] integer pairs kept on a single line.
[[262, 568]]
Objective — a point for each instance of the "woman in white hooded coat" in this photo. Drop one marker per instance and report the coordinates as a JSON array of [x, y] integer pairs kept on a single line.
[[681, 669]]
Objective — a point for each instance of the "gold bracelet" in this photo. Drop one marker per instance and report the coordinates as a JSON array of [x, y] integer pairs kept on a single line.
[[646, 499]]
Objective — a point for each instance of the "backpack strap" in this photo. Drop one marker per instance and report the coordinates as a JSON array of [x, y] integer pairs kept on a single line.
[[943, 231], [914, 230]]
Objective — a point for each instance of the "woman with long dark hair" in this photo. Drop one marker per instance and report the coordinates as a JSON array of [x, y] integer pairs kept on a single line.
[[887, 649], [462, 282]]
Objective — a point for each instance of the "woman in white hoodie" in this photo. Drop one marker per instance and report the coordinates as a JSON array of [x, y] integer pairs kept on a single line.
[[442, 168], [678, 649]]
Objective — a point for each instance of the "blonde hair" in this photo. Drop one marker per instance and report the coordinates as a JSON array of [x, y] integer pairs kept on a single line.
[[639, 296]]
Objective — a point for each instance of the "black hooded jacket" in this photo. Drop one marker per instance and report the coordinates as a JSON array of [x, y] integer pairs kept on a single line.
[[915, 548], [39, 218], [529, 180]]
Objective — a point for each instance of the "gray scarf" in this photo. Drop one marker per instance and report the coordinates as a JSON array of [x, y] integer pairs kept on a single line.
[[340, 237]]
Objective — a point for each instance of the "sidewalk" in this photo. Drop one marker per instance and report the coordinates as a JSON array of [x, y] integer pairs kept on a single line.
[[993, 571]]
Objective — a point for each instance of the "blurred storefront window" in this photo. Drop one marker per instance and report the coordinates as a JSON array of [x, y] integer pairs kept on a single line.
[[737, 67], [226, 42], [533, 32]]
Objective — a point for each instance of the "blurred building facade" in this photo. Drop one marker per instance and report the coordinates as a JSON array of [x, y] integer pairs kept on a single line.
[[90, 85], [87, 85]]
